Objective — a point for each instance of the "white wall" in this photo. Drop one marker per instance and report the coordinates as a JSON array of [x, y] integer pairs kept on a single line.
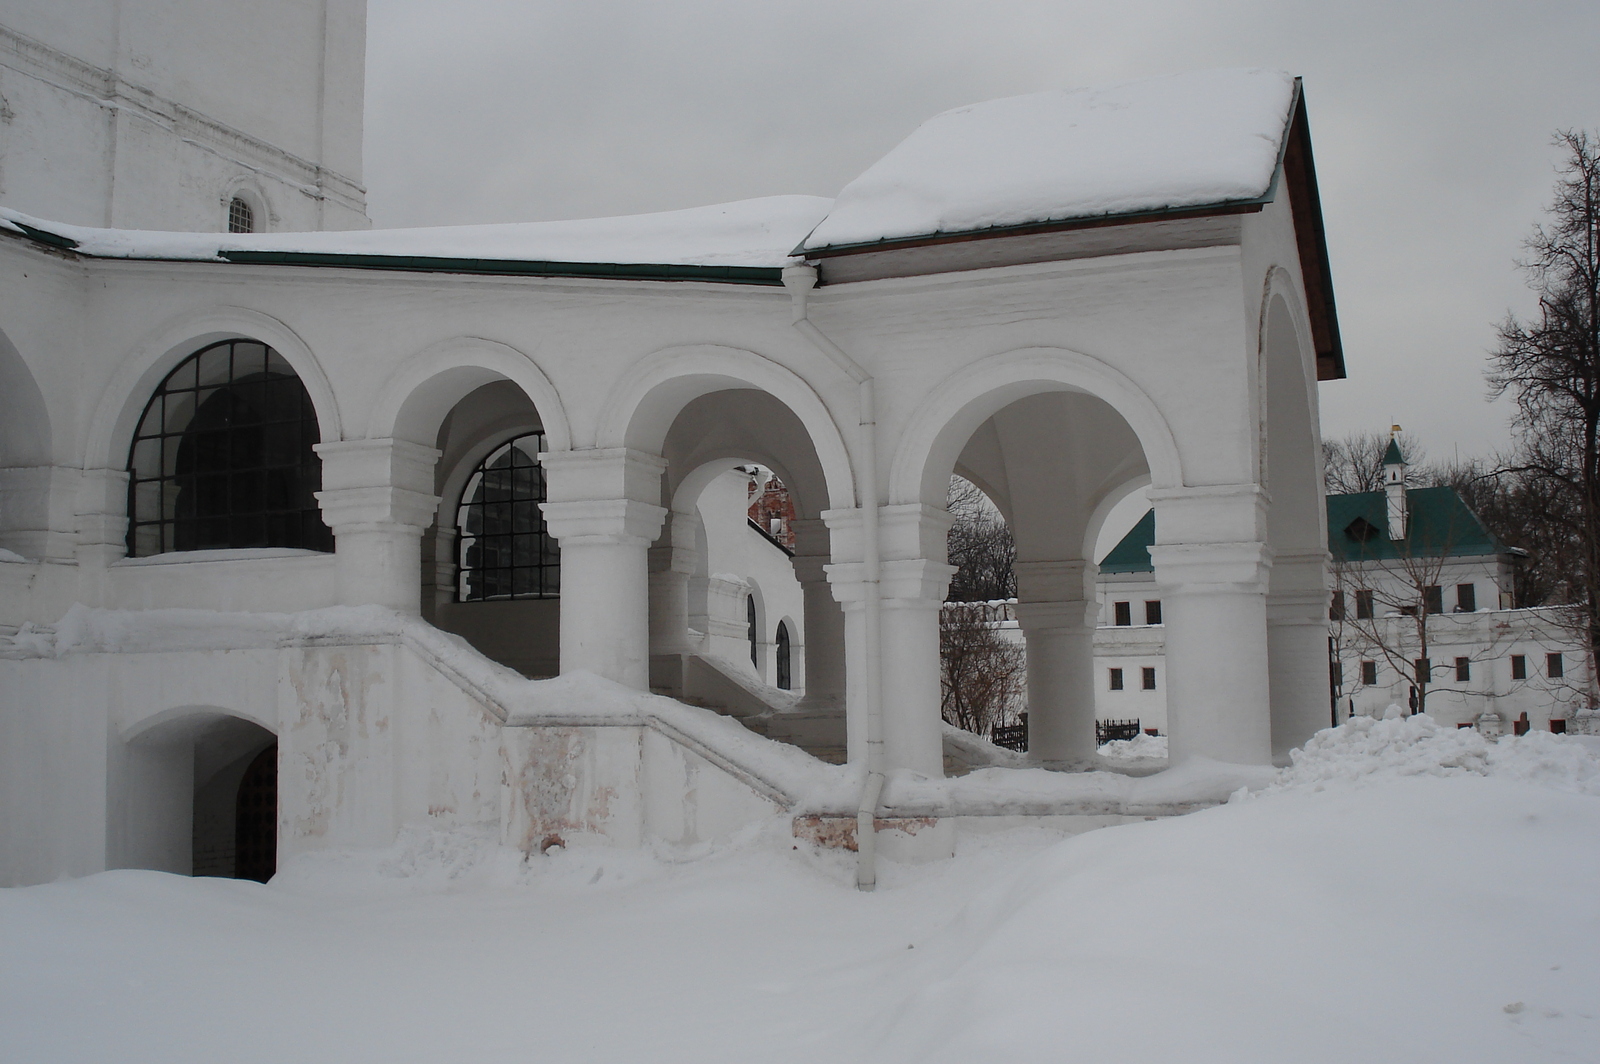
[[151, 114]]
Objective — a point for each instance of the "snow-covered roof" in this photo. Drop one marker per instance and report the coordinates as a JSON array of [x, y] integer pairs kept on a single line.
[[1185, 143], [1179, 142], [754, 233]]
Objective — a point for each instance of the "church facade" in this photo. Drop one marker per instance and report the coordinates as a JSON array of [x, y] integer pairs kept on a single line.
[[313, 492]]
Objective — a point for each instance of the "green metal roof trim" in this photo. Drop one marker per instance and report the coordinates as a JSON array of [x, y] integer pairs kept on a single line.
[[1132, 552], [1440, 525], [636, 271]]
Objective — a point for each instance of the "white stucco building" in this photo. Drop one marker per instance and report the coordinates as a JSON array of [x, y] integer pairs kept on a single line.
[[1421, 617], [301, 491]]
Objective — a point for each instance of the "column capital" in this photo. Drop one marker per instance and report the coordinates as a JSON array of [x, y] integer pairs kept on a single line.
[[592, 521], [1213, 513], [902, 583], [603, 473], [377, 485], [1055, 581], [1212, 567]]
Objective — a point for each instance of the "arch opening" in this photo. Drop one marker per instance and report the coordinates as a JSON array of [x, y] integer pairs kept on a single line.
[[745, 487], [222, 457], [1031, 472], [491, 572], [199, 796]]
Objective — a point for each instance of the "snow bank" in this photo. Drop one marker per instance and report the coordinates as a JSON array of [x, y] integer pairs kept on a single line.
[[753, 232], [10, 556], [1141, 747], [1364, 748], [1187, 140]]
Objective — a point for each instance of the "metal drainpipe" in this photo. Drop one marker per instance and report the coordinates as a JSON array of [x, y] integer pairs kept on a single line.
[[800, 280]]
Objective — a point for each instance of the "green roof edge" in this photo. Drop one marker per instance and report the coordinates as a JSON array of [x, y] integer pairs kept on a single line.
[[771, 276]]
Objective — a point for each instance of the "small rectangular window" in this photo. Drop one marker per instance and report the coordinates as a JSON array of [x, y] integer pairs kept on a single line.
[[1152, 612], [1369, 673], [1424, 669], [1553, 666], [1433, 598], [1149, 679], [1336, 609], [1116, 679], [1363, 605], [1463, 669], [1519, 667], [1466, 598], [1124, 614]]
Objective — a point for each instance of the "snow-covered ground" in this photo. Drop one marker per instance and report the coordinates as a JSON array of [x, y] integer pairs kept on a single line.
[[1404, 893]]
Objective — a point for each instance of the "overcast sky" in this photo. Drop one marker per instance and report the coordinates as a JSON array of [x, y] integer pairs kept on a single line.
[[1431, 123]]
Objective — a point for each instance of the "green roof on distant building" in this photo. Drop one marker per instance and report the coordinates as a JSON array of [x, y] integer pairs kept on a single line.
[[1439, 523]]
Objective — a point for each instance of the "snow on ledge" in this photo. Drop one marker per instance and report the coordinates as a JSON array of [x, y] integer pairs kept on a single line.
[[1182, 141], [755, 232]]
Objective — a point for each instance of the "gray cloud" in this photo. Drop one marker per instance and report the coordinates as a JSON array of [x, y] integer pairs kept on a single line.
[[1431, 122]]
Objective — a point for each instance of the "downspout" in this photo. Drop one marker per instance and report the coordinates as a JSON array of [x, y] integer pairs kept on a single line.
[[800, 280]]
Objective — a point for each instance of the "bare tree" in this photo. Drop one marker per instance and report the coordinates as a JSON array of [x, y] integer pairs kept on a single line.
[[979, 546], [1355, 463], [1551, 366], [982, 674]]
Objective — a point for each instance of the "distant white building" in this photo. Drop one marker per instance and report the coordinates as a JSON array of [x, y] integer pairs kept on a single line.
[[1421, 615]]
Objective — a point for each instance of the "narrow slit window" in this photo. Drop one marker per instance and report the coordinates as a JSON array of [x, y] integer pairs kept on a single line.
[[784, 668]]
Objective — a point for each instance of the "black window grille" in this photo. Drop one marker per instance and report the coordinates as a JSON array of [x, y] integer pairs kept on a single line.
[[1116, 679], [1363, 605], [223, 457], [1369, 673], [503, 549], [1466, 598], [1149, 679], [1123, 614], [1433, 598], [785, 677], [1152, 612], [750, 625], [241, 217], [1519, 667], [1554, 666]]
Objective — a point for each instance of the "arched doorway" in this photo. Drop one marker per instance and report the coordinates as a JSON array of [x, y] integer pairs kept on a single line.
[[199, 796]]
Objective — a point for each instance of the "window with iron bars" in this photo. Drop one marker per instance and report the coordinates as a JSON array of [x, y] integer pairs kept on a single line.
[[241, 216], [504, 550], [223, 457]]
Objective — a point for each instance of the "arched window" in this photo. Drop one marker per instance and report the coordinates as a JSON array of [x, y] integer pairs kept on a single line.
[[223, 457], [504, 550], [241, 216], [785, 678], [750, 617]]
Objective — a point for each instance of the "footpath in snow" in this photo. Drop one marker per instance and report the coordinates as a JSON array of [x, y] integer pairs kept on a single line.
[[1404, 892]]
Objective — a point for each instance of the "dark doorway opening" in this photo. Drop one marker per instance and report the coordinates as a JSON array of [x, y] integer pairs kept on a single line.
[[256, 819]]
